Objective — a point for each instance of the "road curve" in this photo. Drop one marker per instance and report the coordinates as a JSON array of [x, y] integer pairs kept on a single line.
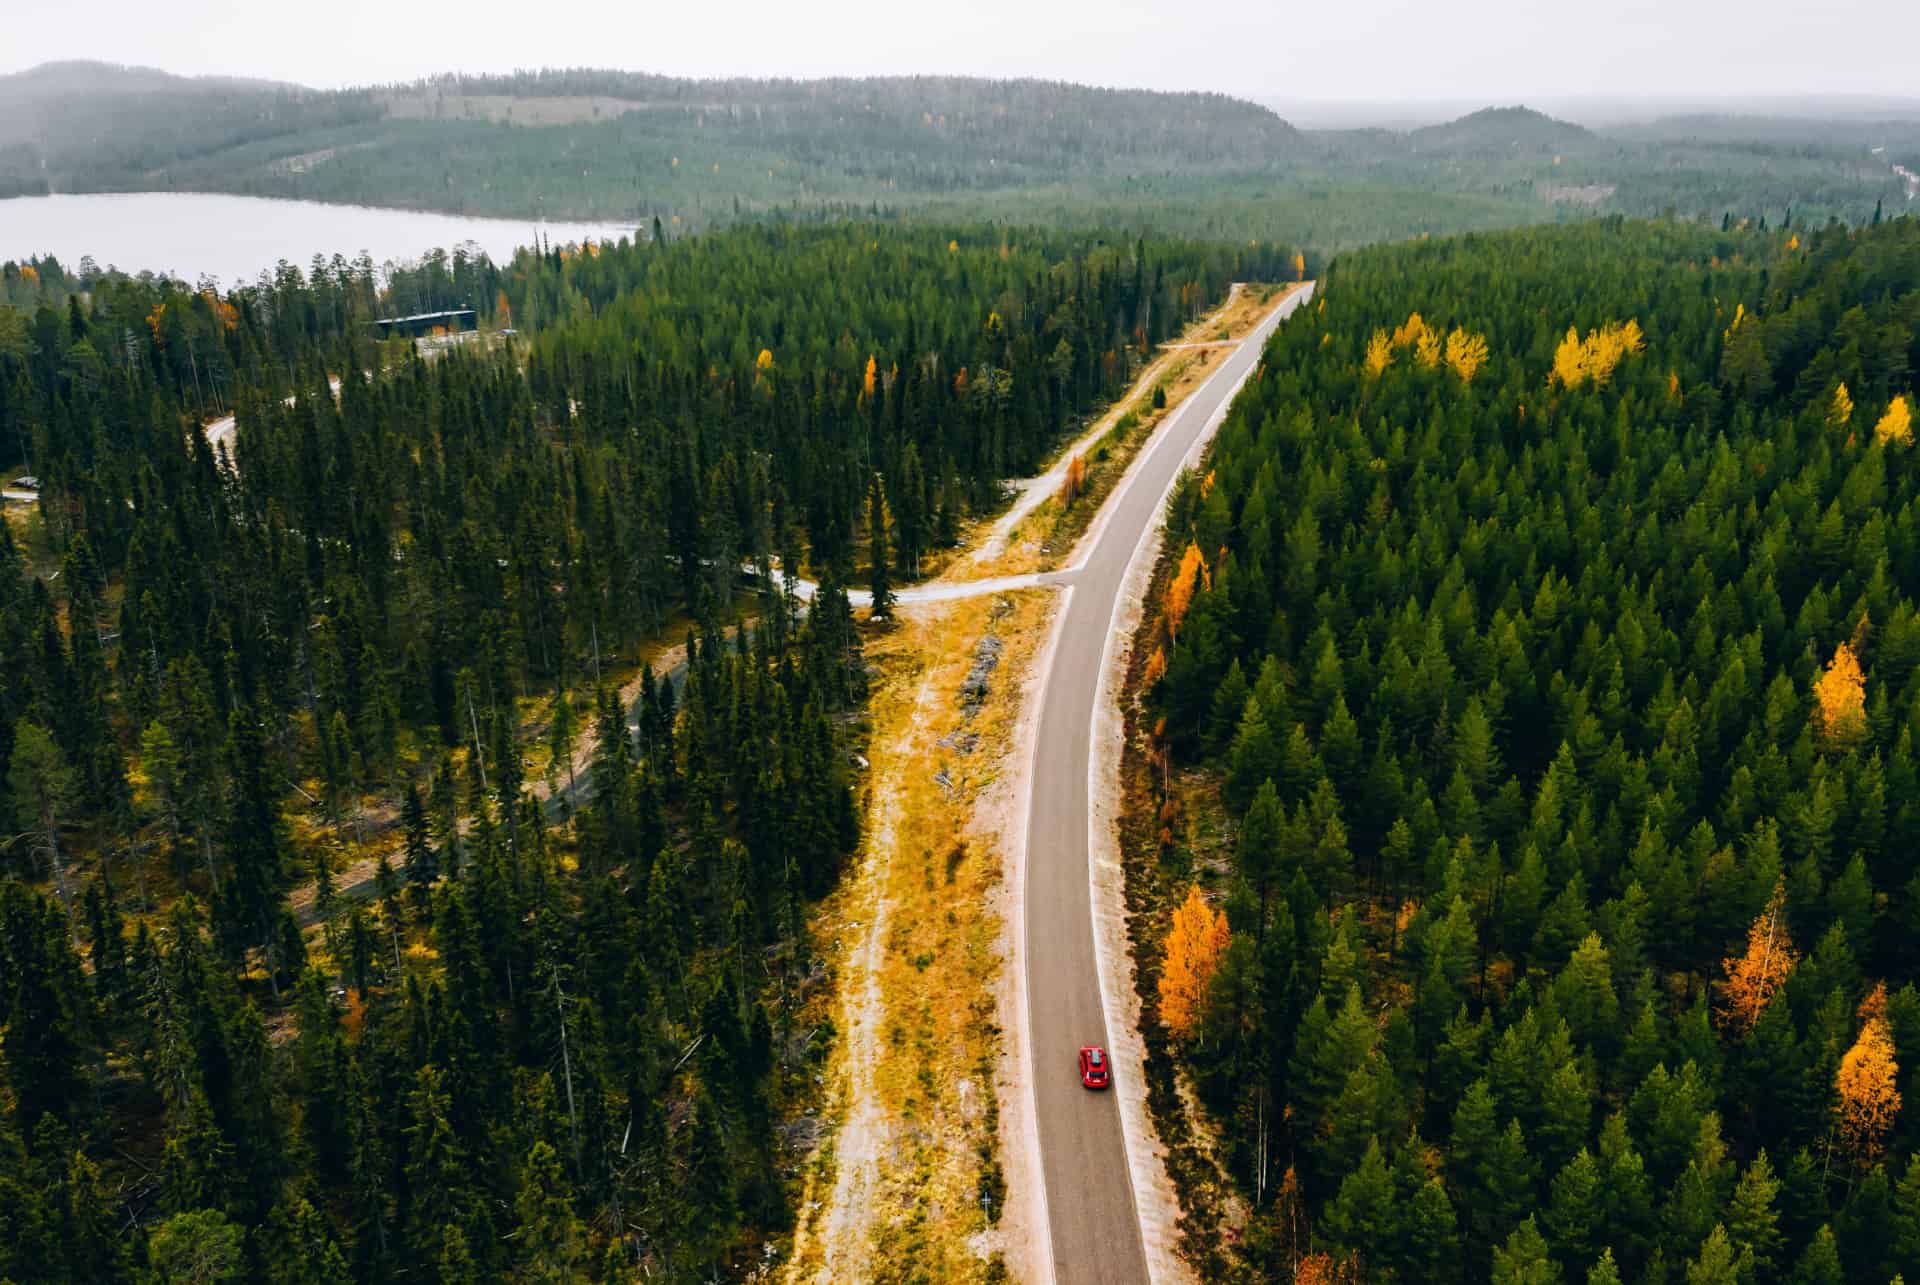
[[1089, 1183]]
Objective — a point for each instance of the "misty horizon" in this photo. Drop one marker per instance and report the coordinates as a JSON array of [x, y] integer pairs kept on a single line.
[[1374, 51]]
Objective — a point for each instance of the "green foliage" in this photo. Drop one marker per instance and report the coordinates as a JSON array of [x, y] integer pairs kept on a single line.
[[1546, 654], [563, 1033]]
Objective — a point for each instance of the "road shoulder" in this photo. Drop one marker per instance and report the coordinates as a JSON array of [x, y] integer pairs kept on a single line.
[[1156, 1203]]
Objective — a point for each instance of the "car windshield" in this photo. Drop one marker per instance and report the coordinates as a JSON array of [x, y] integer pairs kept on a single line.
[[1094, 1057]]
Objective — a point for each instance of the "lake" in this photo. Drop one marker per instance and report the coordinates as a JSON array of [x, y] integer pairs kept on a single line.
[[234, 238]]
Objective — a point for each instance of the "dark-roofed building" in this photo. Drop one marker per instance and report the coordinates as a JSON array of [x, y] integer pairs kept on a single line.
[[453, 321]]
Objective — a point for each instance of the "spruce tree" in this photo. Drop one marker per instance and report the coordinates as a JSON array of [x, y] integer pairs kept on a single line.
[[879, 559]]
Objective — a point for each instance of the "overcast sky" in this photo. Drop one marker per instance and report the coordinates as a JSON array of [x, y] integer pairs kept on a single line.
[[1479, 50]]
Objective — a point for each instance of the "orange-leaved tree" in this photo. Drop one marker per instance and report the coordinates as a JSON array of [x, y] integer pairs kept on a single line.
[[1156, 669], [867, 383], [1868, 1083], [1299, 266], [1194, 946], [1193, 568], [1752, 978], [1840, 700], [1075, 482]]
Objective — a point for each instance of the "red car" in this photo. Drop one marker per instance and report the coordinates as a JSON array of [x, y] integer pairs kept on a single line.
[[1094, 1072]]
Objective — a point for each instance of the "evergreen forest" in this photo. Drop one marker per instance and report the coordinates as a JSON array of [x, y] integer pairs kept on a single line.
[[568, 1025], [1535, 708]]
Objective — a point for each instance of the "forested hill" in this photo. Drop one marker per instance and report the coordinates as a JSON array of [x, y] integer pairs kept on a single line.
[[81, 126], [94, 125], [627, 147], [1548, 640], [1500, 128]]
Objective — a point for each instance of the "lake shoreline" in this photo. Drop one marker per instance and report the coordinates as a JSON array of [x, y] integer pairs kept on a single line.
[[233, 239]]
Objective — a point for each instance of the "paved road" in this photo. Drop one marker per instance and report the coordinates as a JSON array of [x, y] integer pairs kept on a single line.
[[1089, 1194]]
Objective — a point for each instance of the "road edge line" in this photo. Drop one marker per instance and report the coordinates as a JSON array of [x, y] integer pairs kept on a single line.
[[1108, 899], [1022, 994]]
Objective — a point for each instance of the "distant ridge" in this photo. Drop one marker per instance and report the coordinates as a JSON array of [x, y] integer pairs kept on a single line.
[[86, 76], [1499, 128]]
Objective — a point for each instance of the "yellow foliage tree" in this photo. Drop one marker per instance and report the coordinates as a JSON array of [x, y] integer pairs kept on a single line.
[[1868, 1083], [154, 320], [1466, 354], [1566, 361], [1840, 699], [1299, 266], [1753, 977], [1409, 330], [1579, 361], [765, 360], [1840, 409], [1193, 566], [867, 383], [1379, 354], [1426, 349], [1194, 946], [1896, 426]]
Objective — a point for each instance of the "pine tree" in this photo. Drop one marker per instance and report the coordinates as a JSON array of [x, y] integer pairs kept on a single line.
[[550, 1239], [1718, 1263], [1360, 1218], [1575, 1217], [879, 559], [43, 1050], [1820, 1263], [1524, 1260], [1752, 1222]]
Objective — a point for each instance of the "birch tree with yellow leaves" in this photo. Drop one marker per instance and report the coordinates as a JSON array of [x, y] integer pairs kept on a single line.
[[1755, 976]]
